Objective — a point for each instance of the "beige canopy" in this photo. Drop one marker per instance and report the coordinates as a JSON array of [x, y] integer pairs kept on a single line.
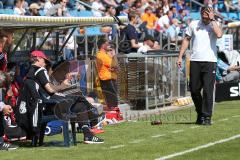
[[23, 22]]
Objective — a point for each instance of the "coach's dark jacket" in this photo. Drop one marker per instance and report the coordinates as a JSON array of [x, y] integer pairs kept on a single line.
[[29, 108]]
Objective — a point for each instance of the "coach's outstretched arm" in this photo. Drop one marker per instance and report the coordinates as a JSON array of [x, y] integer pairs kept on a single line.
[[184, 47]]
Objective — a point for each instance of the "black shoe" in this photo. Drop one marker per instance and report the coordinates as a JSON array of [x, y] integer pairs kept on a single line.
[[89, 137], [207, 121], [7, 146], [93, 140], [200, 120]]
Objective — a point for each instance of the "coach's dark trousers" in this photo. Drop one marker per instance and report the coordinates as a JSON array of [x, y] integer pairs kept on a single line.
[[202, 78], [109, 89]]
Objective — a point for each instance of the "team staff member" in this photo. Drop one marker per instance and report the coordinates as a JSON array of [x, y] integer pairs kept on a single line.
[[203, 60], [39, 74], [4, 110], [5, 41], [107, 70]]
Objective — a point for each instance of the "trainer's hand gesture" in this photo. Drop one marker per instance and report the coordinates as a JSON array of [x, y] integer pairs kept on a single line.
[[210, 13]]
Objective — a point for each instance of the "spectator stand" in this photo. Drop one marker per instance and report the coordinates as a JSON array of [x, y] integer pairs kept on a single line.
[[6, 11], [227, 16], [87, 40]]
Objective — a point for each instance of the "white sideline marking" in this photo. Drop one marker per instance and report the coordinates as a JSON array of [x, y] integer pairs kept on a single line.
[[193, 127], [137, 141], [177, 131], [117, 146], [226, 119], [159, 135], [43, 149], [236, 116], [134, 121], [199, 147]]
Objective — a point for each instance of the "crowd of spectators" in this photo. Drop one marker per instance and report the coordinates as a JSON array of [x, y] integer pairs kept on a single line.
[[149, 11], [154, 16], [123, 6]]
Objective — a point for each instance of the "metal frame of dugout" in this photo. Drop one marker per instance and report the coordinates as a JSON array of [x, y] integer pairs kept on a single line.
[[150, 80]]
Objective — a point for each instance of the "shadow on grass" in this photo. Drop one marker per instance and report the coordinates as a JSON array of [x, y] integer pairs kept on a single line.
[[185, 123], [173, 123], [28, 144]]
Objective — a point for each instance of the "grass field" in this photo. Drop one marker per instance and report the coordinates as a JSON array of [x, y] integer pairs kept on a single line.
[[140, 140]]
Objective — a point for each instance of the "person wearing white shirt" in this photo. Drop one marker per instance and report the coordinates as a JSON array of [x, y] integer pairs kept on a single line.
[[166, 7], [18, 8], [59, 9], [204, 34], [97, 5], [69, 48], [164, 22], [49, 4], [149, 44], [111, 3]]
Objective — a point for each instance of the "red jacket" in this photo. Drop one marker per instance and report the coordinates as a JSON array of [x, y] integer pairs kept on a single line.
[[3, 62]]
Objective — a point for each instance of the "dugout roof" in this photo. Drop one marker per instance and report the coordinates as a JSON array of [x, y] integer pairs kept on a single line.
[[24, 22]]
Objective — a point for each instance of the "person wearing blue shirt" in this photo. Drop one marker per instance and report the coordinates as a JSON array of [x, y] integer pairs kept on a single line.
[[174, 30], [227, 73]]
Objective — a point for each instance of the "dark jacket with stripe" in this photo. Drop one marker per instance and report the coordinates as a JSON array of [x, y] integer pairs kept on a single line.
[[29, 107]]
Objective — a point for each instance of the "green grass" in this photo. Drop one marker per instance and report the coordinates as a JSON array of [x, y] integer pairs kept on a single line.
[[130, 133], [226, 151]]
